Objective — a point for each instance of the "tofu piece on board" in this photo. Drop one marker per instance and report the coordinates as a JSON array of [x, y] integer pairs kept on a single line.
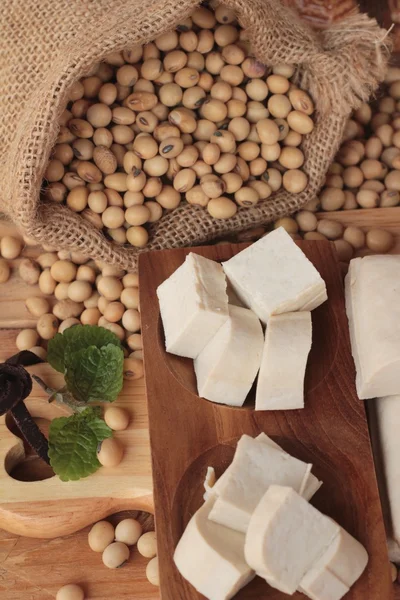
[[387, 415], [255, 466], [274, 276], [310, 484], [280, 384], [193, 305], [227, 366], [332, 576], [285, 537], [211, 557], [308, 488], [372, 289]]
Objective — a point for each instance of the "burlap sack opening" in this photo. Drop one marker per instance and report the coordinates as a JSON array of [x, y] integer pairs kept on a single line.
[[46, 47]]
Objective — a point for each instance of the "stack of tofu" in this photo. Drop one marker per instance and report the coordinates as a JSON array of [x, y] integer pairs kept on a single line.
[[278, 287], [256, 520], [373, 309]]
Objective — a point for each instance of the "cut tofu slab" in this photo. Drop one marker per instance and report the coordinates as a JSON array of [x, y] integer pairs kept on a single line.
[[372, 289], [211, 557], [257, 464], [332, 576], [310, 485], [285, 537], [228, 365], [308, 488], [387, 412], [287, 345], [274, 276], [193, 305]]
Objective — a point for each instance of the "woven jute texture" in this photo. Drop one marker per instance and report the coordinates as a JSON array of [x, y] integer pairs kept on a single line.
[[45, 47]]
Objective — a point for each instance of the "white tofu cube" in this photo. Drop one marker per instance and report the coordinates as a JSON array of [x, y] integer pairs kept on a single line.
[[193, 305], [310, 485], [227, 366], [385, 415], [257, 464], [373, 308], [274, 276], [332, 576], [286, 536], [287, 345], [211, 557]]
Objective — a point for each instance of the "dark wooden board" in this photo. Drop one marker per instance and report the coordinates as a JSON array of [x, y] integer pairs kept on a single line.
[[188, 433]]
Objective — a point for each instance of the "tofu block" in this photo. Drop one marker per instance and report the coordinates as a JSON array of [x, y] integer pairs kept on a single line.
[[287, 345], [310, 483], [228, 365], [193, 305], [255, 466], [274, 276], [387, 413], [211, 557], [393, 550], [332, 576], [372, 289], [285, 537]]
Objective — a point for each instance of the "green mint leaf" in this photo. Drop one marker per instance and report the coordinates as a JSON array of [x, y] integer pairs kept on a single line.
[[84, 336], [56, 351], [64, 345], [95, 374], [73, 443]]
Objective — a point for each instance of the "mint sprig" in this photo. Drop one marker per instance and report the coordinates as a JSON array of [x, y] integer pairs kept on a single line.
[[73, 443], [92, 360]]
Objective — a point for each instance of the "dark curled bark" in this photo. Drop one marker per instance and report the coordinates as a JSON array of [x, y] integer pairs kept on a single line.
[[15, 386]]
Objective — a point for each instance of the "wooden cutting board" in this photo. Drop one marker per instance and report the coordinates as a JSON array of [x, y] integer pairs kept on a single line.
[[49, 508], [188, 433]]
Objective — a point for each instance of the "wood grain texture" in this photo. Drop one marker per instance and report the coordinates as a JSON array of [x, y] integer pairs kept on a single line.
[[34, 569], [188, 433]]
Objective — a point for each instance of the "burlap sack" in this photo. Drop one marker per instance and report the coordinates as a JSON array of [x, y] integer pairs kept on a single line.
[[45, 46]]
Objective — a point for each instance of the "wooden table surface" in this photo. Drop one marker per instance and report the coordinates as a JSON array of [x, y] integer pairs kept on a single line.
[[34, 569]]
